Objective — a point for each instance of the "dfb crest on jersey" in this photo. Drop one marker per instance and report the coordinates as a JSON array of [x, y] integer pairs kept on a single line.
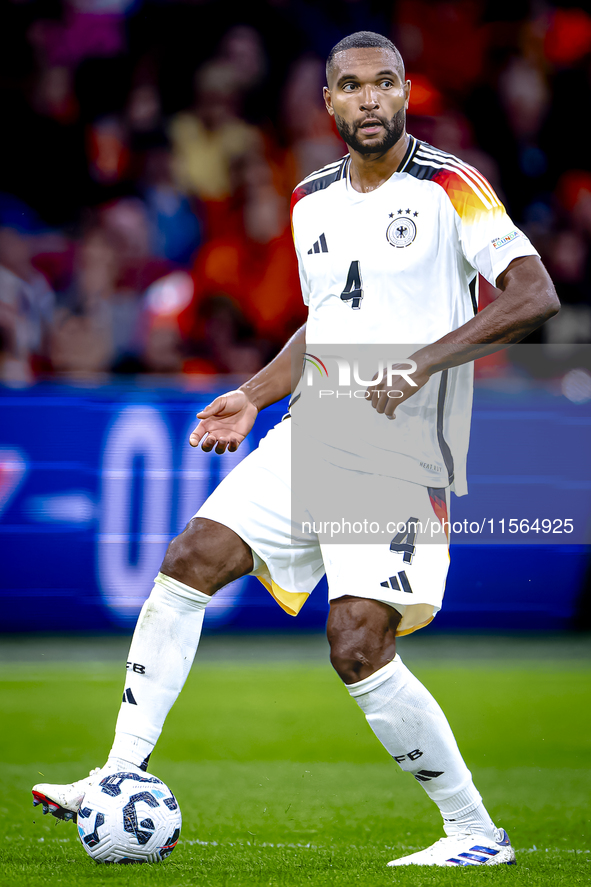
[[401, 232]]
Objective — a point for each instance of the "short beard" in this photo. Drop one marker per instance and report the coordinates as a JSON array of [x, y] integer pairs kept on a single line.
[[394, 131]]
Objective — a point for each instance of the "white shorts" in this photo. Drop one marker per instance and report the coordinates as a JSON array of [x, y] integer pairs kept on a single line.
[[408, 572]]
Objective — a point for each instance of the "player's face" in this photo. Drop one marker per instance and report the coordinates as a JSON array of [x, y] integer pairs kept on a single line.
[[368, 99]]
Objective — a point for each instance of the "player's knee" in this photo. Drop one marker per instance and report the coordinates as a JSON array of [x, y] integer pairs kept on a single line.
[[350, 662], [207, 556], [362, 636]]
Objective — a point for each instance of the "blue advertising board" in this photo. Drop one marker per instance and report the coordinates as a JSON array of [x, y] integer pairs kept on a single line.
[[95, 481]]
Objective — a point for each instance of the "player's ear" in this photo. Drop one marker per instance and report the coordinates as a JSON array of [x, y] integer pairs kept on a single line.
[[407, 85], [328, 100]]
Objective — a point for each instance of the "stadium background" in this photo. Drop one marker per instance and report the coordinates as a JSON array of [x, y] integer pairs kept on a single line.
[[145, 256], [148, 154]]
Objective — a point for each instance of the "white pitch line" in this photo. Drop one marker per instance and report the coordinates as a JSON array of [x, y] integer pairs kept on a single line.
[[309, 846]]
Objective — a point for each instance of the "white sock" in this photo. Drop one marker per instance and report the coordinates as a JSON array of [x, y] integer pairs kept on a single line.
[[160, 658], [413, 729]]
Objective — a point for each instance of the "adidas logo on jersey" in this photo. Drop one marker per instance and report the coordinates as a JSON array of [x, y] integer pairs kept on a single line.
[[394, 584], [320, 246]]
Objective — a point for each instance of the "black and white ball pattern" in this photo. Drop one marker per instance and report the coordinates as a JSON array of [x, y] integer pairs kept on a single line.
[[129, 818]]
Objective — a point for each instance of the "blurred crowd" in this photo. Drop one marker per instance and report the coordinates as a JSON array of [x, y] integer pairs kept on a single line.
[[151, 148]]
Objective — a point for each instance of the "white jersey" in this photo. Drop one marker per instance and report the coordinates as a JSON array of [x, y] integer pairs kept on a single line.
[[400, 265]]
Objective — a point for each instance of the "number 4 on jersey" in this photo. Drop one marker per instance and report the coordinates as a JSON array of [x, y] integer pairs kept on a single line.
[[353, 291]]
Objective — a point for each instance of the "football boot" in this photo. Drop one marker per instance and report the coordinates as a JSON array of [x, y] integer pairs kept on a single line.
[[64, 801], [464, 849]]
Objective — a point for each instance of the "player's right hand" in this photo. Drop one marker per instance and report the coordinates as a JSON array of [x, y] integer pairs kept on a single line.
[[224, 423]]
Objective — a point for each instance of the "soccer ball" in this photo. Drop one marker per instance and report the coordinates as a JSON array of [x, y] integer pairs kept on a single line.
[[129, 818]]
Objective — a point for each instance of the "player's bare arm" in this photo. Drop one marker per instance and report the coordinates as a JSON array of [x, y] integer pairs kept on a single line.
[[228, 419], [527, 300]]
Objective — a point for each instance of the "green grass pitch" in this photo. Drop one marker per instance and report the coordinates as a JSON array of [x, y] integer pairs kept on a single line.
[[280, 781]]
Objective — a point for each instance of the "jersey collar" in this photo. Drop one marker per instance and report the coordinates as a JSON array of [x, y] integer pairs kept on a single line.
[[412, 147]]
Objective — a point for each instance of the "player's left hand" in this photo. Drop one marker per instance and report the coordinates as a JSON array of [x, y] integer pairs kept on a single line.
[[385, 394]]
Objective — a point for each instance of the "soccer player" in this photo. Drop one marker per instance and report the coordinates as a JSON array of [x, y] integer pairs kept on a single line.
[[390, 241]]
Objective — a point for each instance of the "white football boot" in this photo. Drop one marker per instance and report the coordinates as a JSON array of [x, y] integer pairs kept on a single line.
[[64, 801], [464, 849]]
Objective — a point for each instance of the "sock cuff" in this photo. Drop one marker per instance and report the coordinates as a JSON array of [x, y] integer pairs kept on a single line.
[[173, 586], [461, 803], [376, 679], [132, 748]]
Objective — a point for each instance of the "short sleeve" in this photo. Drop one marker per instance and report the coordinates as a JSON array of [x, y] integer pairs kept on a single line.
[[303, 277], [303, 280], [488, 238]]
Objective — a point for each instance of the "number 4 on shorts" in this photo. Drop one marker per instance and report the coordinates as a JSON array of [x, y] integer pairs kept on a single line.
[[405, 540]]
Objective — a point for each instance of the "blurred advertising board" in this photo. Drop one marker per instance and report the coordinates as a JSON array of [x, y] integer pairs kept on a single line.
[[95, 481]]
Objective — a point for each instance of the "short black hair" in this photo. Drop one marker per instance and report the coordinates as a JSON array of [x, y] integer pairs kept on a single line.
[[365, 40]]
